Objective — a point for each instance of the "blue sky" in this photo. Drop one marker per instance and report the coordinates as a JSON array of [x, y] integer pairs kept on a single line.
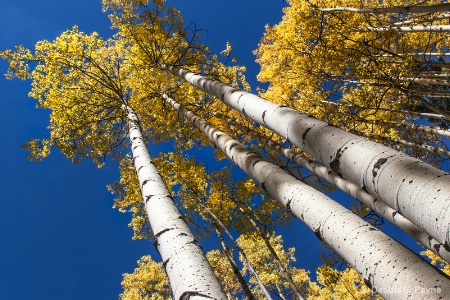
[[59, 236]]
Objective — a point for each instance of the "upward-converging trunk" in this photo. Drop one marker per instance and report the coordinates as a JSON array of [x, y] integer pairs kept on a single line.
[[443, 7], [420, 192], [391, 269], [415, 28], [190, 274], [353, 190]]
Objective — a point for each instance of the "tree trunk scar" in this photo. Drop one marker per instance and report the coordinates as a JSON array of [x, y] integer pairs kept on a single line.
[[335, 163], [188, 295], [377, 166], [318, 234], [147, 198], [305, 133]]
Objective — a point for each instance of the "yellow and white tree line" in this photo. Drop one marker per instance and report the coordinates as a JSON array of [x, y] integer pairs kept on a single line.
[[140, 86]]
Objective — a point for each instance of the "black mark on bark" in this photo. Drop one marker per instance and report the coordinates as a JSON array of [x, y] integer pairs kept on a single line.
[[378, 165], [305, 133]]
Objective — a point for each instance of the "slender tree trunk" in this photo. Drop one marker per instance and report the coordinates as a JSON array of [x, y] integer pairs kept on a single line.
[[410, 127], [275, 257], [426, 81], [380, 260], [427, 148], [189, 272], [430, 28], [443, 7], [247, 262], [420, 192], [280, 292], [233, 264], [356, 192], [406, 112]]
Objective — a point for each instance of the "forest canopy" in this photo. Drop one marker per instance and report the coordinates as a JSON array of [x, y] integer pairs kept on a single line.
[[357, 98]]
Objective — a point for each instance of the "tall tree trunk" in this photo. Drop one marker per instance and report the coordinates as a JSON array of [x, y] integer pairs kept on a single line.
[[426, 148], [275, 257], [233, 264], [381, 261], [420, 192], [216, 220], [189, 272], [410, 127], [353, 190], [406, 112], [443, 7], [415, 28]]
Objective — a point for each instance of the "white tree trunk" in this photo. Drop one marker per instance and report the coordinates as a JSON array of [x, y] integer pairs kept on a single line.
[[420, 192], [443, 7], [428, 81], [190, 274], [356, 192], [411, 127], [427, 148], [236, 245], [430, 28], [387, 266], [406, 112]]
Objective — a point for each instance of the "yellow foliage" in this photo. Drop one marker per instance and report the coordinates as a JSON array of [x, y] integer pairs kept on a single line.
[[147, 282], [129, 199], [264, 264], [329, 65], [437, 261], [224, 272], [343, 285]]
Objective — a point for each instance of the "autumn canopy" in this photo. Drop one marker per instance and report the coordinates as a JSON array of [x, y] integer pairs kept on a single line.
[[357, 98]]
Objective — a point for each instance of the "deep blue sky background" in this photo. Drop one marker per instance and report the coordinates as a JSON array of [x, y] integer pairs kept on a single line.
[[59, 236]]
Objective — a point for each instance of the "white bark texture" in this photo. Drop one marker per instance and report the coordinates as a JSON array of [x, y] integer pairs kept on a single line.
[[427, 148], [353, 190], [385, 264], [406, 112], [190, 274], [420, 192], [443, 7], [411, 127], [430, 28]]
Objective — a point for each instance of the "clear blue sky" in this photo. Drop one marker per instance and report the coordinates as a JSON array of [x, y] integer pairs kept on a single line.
[[59, 236]]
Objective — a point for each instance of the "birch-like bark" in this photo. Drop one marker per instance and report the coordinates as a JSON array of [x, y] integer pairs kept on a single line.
[[420, 192], [415, 28], [353, 190], [426, 81], [426, 148], [384, 264], [410, 127], [443, 7], [406, 112], [190, 274]]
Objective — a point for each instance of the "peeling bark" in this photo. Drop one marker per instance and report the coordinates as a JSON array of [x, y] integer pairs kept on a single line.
[[425, 202], [190, 274], [380, 260]]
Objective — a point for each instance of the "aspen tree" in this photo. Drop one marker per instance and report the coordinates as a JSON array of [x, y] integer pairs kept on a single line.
[[353, 190], [400, 181], [317, 47], [83, 80], [323, 215]]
